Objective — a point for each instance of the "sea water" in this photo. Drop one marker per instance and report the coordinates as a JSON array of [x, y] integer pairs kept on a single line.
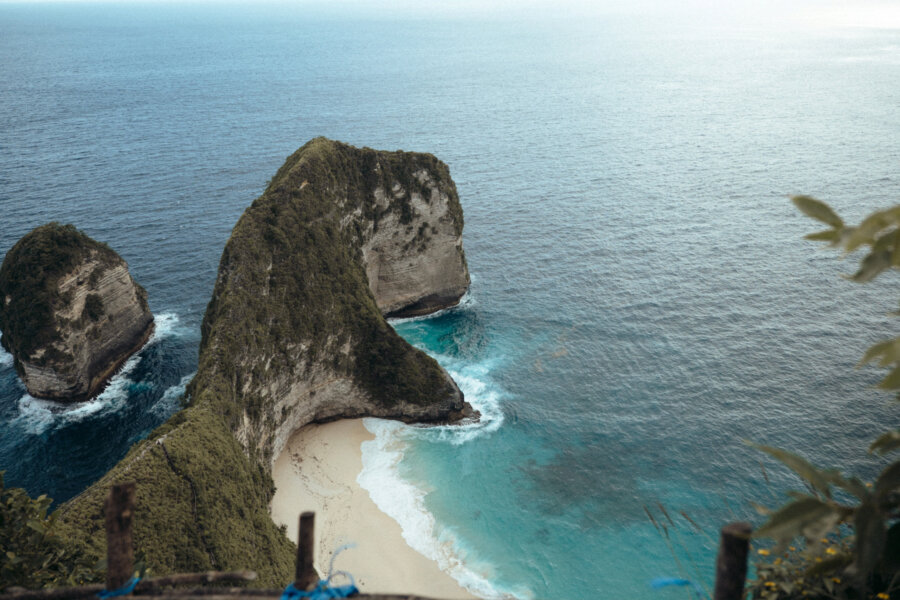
[[642, 299]]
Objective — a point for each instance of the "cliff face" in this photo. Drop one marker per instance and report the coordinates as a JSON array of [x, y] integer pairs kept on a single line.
[[412, 251], [70, 312], [295, 334]]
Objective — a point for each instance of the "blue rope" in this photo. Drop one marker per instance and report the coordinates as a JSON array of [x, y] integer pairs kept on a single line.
[[322, 592], [122, 591], [661, 582]]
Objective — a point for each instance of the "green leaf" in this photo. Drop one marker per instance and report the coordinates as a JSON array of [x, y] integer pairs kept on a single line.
[[852, 486], [873, 265], [886, 443], [888, 480], [871, 226], [817, 210], [870, 537], [888, 352], [892, 381], [809, 517], [829, 235], [816, 478], [828, 565]]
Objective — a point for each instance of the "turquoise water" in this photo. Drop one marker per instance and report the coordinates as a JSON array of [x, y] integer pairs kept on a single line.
[[642, 300]]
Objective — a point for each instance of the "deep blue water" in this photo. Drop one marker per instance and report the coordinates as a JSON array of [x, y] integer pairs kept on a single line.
[[642, 298]]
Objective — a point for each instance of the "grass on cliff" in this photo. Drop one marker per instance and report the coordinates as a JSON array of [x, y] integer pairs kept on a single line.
[[29, 286], [200, 504], [292, 287]]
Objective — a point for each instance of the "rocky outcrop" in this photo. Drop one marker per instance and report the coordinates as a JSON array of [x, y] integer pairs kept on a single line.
[[294, 334], [412, 251], [70, 312]]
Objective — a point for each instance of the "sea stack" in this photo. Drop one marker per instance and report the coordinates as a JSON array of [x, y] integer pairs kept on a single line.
[[70, 312]]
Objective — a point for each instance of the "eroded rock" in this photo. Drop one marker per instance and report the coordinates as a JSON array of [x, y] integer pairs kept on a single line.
[[70, 313]]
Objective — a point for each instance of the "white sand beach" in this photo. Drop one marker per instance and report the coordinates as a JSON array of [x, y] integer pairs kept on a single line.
[[317, 471]]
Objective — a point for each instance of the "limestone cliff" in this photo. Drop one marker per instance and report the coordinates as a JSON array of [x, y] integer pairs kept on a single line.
[[70, 312], [295, 334]]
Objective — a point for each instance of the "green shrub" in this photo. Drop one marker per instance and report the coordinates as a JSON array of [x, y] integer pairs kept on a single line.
[[847, 533], [32, 554]]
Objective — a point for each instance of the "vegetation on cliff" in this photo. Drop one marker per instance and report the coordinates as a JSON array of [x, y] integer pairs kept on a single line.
[[292, 288], [32, 553], [291, 293], [29, 294]]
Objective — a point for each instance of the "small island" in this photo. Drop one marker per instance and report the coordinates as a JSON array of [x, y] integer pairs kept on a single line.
[[70, 312]]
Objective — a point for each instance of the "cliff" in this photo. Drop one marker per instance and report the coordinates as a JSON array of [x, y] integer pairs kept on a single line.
[[295, 334], [70, 312]]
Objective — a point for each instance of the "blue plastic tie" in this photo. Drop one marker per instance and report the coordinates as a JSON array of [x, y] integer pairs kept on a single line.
[[122, 591], [322, 592], [661, 582]]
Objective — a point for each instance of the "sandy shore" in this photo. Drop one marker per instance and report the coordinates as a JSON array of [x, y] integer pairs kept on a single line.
[[317, 471]]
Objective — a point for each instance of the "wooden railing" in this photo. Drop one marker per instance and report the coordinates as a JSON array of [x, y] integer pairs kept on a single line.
[[731, 566]]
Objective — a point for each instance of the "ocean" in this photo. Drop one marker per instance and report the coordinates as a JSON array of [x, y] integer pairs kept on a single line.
[[642, 300]]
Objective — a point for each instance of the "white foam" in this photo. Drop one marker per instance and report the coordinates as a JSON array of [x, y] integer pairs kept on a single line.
[[171, 398], [167, 325], [405, 503], [479, 391], [37, 416], [467, 301], [6, 359]]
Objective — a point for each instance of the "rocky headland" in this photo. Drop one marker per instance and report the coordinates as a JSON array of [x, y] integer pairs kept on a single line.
[[70, 312], [295, 333]]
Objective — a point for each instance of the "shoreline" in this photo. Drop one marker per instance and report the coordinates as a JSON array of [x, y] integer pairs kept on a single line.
[[317, 471]]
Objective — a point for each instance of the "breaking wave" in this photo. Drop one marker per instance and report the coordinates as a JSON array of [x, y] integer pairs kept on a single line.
[[37, 416]]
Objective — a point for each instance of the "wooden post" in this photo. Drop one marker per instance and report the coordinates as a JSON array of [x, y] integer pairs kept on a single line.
[[119, 549], [731, 565], [305, 577]]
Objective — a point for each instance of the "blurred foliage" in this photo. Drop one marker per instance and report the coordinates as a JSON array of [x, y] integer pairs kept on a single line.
[[847, 532], [32, 553]]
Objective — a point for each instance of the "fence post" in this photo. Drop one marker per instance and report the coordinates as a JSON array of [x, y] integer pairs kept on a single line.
[[731, 565], [305, 577], [119, 512]]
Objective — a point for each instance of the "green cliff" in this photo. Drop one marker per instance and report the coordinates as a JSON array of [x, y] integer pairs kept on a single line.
[[294, 334]]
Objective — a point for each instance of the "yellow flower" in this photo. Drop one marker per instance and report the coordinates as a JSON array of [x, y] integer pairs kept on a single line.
[[869, 484], [791, 548], [770, 584], [836, 579], [882, 596], [824, 540], [763, 552], [830, 551], [778, 561]]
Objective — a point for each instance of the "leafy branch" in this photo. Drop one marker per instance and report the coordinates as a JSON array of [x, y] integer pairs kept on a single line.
[[868, 561]]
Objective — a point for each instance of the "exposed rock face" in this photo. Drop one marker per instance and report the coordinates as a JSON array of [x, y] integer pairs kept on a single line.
[[414, 258], [295, 334], [70, 312]]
